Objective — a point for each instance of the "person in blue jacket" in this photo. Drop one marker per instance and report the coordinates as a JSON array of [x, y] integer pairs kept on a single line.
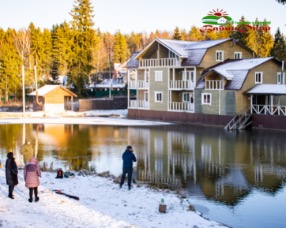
[[128, 158]]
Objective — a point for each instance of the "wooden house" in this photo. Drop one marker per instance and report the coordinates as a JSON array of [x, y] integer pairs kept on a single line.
[[52, 98], [165, 73]]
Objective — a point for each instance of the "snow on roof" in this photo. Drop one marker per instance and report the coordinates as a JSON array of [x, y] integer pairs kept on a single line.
[[177, 46], [47, 89], [205, 44], [242, 64], [274, 89]]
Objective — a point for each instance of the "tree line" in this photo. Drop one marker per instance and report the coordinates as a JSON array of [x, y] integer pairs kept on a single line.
[[79, 51]]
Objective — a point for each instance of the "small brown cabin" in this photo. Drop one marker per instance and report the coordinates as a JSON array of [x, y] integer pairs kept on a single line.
[[52, 98]]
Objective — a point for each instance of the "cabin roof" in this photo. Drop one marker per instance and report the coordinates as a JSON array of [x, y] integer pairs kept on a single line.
[[43, 91]]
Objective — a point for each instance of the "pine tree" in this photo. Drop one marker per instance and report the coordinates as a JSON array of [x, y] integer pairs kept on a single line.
[[177, 34], [279, 48], [10, 66], [80, 61], [195, 34], [120, 48]]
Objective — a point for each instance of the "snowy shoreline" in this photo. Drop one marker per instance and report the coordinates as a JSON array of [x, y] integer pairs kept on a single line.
[[102, 204]]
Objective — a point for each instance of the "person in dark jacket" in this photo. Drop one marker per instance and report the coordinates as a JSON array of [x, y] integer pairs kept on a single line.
[[128, 158], [11, 170]]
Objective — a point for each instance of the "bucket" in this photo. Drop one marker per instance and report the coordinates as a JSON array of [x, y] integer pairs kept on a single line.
[[162, 208]]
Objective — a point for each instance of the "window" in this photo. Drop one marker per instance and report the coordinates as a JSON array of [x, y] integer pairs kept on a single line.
[[186, 97], [237, 55], [280, 78], [159, 97], [258, 77], [188, 75], [158, 76], [206, 98], [219, 56]]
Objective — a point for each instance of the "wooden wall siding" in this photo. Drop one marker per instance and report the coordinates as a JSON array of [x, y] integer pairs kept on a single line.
[[242, 102], [229, 48], [159, 87], [56, 96], [163, 52], [191, 118]]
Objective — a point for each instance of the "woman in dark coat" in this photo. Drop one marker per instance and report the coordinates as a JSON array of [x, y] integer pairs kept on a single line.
[[11, 173]]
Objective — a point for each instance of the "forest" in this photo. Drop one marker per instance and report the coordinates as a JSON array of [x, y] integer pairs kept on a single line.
[[37, 56]]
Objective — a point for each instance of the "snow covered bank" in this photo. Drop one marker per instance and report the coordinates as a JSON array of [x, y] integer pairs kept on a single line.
[[102, 204]]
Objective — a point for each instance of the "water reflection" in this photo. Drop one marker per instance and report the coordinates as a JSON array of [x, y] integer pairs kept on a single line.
[[206, 162]]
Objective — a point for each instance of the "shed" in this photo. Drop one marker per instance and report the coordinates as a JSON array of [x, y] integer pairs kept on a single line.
[[52, 98]]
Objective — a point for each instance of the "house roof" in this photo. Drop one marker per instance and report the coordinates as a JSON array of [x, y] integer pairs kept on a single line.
[[191, 51], [133, 63], [43, 91], [235, 72], [268, 89]]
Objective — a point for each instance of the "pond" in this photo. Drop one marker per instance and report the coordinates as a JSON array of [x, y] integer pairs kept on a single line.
[[236, 178]]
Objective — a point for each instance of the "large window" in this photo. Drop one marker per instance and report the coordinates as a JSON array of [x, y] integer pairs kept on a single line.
[[237, 55], [258, 77], [158, 76], [280, 78], [159, 97], [206, 98], [219, 56]]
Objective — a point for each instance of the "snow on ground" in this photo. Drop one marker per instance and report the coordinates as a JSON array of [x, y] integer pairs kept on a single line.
[[102, 204]]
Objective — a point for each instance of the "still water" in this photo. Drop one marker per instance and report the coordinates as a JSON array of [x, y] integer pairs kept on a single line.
[[234, 178]]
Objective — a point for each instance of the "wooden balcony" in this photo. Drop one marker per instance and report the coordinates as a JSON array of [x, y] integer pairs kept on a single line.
[[181, 85], [166, 62], [138, 84], [214, 84], [181, 106], [141, 104]]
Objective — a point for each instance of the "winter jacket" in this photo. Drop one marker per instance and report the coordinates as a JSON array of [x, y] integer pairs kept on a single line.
[[32, 173], [11, 172], [128, 158]]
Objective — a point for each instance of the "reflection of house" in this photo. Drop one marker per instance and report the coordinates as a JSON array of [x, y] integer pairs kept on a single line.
[[207, 82], [54, 98]]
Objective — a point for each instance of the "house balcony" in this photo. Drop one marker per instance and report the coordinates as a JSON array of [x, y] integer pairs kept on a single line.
[[165, 62], [138, 84], [141, 104], [214, 84], [181, 85], [181, 107]]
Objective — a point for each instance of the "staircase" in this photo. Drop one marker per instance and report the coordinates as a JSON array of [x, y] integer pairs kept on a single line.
[[239, 122]]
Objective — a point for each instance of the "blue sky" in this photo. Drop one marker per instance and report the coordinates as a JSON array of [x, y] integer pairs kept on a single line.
[[140, 16]]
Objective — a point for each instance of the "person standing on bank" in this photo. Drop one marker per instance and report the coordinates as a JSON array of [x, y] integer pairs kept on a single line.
[[32, 173], [128, 158], [11, 170]]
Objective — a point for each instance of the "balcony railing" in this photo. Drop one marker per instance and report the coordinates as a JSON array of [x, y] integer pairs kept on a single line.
[[180, 84], [138, 104], [139, 84], [159, 62], [269, 110], [214, 84], [181, 106]]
